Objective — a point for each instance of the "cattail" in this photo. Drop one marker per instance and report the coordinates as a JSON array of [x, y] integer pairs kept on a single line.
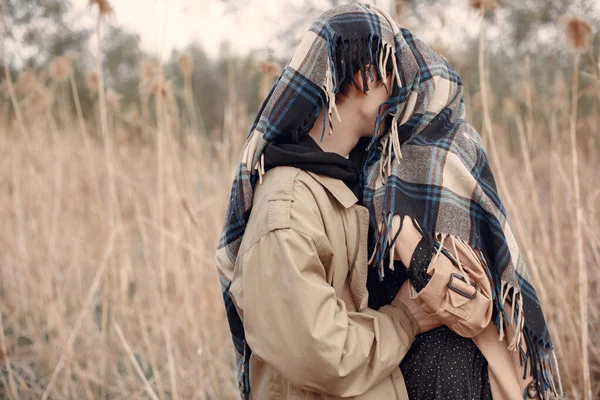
[[186, 65], [60, 68], [509, 107], [527, 92], [162, 88], [149, 70], [579, 33], [27, 82], [134, 121], [4, 89], [488, 5], [133, 115], [267, 68], [166, 90], [72, 55], [92, 81], [156, 86], [104, 6], [399, 6], [112, 99], [42, 101]]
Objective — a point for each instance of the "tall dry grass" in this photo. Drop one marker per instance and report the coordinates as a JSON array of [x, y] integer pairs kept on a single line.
[[108, 287], [112, 276]]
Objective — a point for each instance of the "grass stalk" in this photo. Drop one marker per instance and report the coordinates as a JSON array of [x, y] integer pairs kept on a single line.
[[134, 362], [160, 192], [8, 78], [84, 133], [171, 362], [581, 266], [14, 393], [151, 350], [487, 121], [82, 312], [188, 95]]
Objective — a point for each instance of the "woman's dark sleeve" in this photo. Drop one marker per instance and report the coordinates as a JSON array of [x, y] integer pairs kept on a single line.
[[417, 270]]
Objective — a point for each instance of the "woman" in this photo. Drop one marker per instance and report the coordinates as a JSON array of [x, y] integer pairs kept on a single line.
[[432, 206], [457, 249]]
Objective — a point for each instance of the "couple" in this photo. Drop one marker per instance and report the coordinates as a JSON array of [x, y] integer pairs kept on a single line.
[[365, 252]]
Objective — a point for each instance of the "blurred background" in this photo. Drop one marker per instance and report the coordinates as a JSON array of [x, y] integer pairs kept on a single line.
[[121, 124]]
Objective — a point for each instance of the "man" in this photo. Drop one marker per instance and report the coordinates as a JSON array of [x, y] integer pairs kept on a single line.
[[299, 280]]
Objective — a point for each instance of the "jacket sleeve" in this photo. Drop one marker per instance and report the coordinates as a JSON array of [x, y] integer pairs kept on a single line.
[[459, 297], [295, 322]]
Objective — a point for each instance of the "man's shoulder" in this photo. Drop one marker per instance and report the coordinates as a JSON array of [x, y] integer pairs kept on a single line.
[[287, 195], [289, 189], [287, 198], [285, 183]]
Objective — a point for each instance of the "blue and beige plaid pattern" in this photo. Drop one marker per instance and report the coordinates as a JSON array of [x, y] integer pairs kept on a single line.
[[441, 178]]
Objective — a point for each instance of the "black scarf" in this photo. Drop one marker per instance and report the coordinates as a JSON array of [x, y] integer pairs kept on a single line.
[[307, 155]]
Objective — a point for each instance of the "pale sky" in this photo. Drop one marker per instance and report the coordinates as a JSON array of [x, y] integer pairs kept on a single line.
[[166, 24], [249, 24]]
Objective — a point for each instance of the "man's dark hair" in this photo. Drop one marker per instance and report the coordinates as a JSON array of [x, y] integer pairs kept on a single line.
[[352, 56]]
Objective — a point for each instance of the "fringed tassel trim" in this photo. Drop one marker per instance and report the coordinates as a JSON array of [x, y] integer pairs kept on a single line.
[[329, 89], [517, 319], [260, 168], [561, 392], [382, 160], [390, 148], [387, 52], [541, 360], [535, 354], [503, 316], [377, 257], [388, 235]]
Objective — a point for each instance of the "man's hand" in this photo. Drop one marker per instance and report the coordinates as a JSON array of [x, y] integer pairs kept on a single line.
[[426, 322]]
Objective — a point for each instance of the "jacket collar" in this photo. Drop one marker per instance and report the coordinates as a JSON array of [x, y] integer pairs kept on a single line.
[[337, 188]]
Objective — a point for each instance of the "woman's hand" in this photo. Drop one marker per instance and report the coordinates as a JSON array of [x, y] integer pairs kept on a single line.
[[426, 321]]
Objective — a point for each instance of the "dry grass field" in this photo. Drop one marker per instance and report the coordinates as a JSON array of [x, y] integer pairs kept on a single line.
[[108, 228]]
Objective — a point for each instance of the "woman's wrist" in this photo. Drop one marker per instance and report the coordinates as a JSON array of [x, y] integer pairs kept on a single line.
[[407, 241]]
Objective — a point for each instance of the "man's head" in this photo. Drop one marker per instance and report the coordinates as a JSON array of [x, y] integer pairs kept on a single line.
[[361, 86]]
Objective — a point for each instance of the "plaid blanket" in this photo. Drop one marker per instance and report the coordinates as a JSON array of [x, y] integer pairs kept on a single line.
[[440, 179]]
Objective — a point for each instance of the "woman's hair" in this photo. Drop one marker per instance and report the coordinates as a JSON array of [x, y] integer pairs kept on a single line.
[[352, 56]]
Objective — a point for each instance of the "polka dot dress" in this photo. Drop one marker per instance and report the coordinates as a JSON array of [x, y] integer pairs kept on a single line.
[[443, 365], [440, 364]]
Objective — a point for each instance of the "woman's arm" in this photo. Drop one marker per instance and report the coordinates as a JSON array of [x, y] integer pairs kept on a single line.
[[460, 297], [295, 322]]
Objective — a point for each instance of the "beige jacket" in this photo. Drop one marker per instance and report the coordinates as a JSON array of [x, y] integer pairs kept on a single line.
[[299, 285]]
